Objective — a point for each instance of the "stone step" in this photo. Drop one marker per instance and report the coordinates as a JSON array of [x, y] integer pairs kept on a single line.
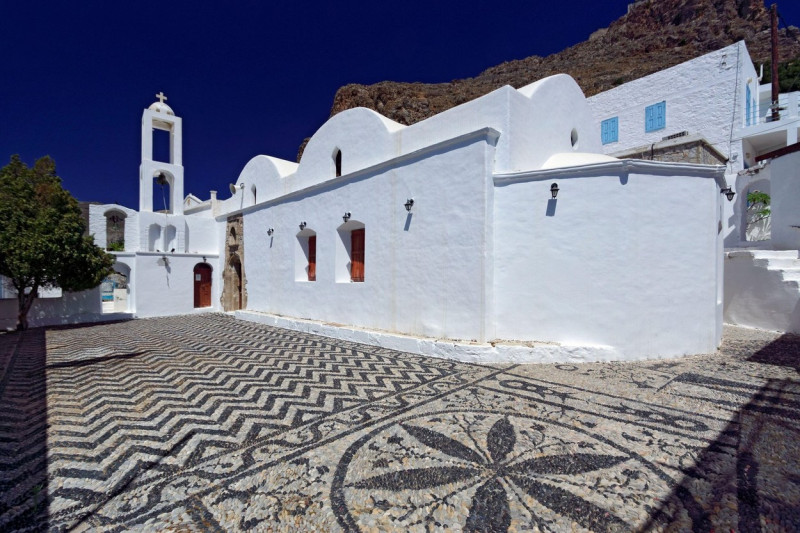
[[781, 263], [791, 275]]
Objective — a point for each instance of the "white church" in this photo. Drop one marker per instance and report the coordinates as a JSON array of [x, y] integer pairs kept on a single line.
[[495, 231]]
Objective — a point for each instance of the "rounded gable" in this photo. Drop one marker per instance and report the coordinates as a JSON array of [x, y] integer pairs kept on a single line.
[[362, 138], [556, 120], [262, 178]]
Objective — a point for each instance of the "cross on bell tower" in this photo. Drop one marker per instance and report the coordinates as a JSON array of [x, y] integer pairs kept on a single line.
[[161, 97]]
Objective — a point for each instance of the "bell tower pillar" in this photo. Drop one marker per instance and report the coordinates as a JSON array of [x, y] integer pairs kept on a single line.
[[159, 116]]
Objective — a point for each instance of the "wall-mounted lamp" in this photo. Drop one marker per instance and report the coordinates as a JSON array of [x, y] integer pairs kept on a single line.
[[346, 216], [409, 204], [270, 231], [233, 187], [554, 189], [204, 259], [166, 260], [302, 225], [728, 193]]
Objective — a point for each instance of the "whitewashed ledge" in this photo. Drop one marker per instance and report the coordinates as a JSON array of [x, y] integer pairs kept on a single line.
[[468, 352]]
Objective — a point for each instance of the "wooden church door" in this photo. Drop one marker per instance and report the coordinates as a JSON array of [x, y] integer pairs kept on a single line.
[[202, 285]]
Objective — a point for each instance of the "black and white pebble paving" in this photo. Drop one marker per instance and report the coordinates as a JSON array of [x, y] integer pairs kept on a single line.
[[212, 424]]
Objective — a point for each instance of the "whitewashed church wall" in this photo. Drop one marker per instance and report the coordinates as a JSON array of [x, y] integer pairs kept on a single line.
[[200, 235], [147, 220], [364, 138], [621, 260], [786, 202], [424, 271], [167, 288], [705, 95]]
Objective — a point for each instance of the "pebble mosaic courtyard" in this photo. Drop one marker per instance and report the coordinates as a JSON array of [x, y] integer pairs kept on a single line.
[[207, 423]]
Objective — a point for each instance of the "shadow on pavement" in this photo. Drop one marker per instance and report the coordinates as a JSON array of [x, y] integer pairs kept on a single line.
[[23, 431], [749, 475]]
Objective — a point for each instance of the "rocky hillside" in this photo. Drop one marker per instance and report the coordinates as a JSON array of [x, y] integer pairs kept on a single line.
[[652, 36]]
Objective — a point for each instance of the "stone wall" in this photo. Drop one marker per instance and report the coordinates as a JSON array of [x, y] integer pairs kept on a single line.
[[234, 293]]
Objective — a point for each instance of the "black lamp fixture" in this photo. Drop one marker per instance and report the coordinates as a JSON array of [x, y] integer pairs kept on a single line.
[[728, 193], [270, 231], [409, 204], [346, 216], [204, 259], [554, 189], [302, 225]]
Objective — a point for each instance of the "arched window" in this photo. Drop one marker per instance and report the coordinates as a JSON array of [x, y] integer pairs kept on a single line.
[[115, 231], [153, 237], [162, 192], [351, 252], [306, 256], [170, 239], [357, 255], [337, 157]]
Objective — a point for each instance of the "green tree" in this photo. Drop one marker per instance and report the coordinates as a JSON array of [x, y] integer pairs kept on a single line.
[[42, 241]]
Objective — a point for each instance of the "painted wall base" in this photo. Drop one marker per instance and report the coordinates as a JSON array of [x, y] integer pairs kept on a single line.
[[496, 352]]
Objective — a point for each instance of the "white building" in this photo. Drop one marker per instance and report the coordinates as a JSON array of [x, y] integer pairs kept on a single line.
[[496, 230], [716, 101]]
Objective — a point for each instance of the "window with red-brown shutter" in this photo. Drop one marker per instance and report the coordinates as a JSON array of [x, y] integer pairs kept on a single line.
[[312, 258], [357, 255]]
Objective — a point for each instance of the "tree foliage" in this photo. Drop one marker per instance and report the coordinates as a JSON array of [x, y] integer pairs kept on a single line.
[[42, 241], [788, 75], [758, 206]]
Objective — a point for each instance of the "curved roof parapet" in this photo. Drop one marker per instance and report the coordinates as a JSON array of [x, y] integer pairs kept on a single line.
[[575, 159], [556, 120], [267, 174], [363, 137]]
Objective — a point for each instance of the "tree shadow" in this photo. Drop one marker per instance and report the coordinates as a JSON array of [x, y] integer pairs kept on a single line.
[[94, 360], [23, 431], [748, 474]]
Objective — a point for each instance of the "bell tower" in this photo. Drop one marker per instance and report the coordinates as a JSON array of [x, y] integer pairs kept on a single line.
[[159, 116]]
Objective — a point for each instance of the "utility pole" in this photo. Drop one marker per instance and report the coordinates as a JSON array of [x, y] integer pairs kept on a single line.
[[776, 115]]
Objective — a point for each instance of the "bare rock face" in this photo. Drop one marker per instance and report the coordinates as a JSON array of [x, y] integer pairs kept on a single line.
[[652, 36]]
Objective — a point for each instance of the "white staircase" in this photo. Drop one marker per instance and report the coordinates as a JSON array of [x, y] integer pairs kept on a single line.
[[762, 289]]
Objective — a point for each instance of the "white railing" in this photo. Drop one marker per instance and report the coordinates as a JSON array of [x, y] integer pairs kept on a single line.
[[789, 104]]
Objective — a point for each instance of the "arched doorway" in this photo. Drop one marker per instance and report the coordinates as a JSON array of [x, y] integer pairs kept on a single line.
[[235, 277], [202, 285]]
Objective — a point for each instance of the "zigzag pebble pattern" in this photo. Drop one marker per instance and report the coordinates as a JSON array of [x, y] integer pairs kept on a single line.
[[204, 422]]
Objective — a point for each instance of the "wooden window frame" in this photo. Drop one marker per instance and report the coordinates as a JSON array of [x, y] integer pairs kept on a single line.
[[312, 258], [357, 251]]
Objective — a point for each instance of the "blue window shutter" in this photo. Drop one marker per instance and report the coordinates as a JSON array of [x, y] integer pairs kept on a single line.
[[609, 131], [747, 106], [655, 117]]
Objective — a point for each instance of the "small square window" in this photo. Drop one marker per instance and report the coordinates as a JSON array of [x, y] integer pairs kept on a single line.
[[609, 130], [655, 117]]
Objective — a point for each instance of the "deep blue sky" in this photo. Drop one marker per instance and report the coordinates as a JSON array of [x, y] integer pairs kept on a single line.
[[247, 78]]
